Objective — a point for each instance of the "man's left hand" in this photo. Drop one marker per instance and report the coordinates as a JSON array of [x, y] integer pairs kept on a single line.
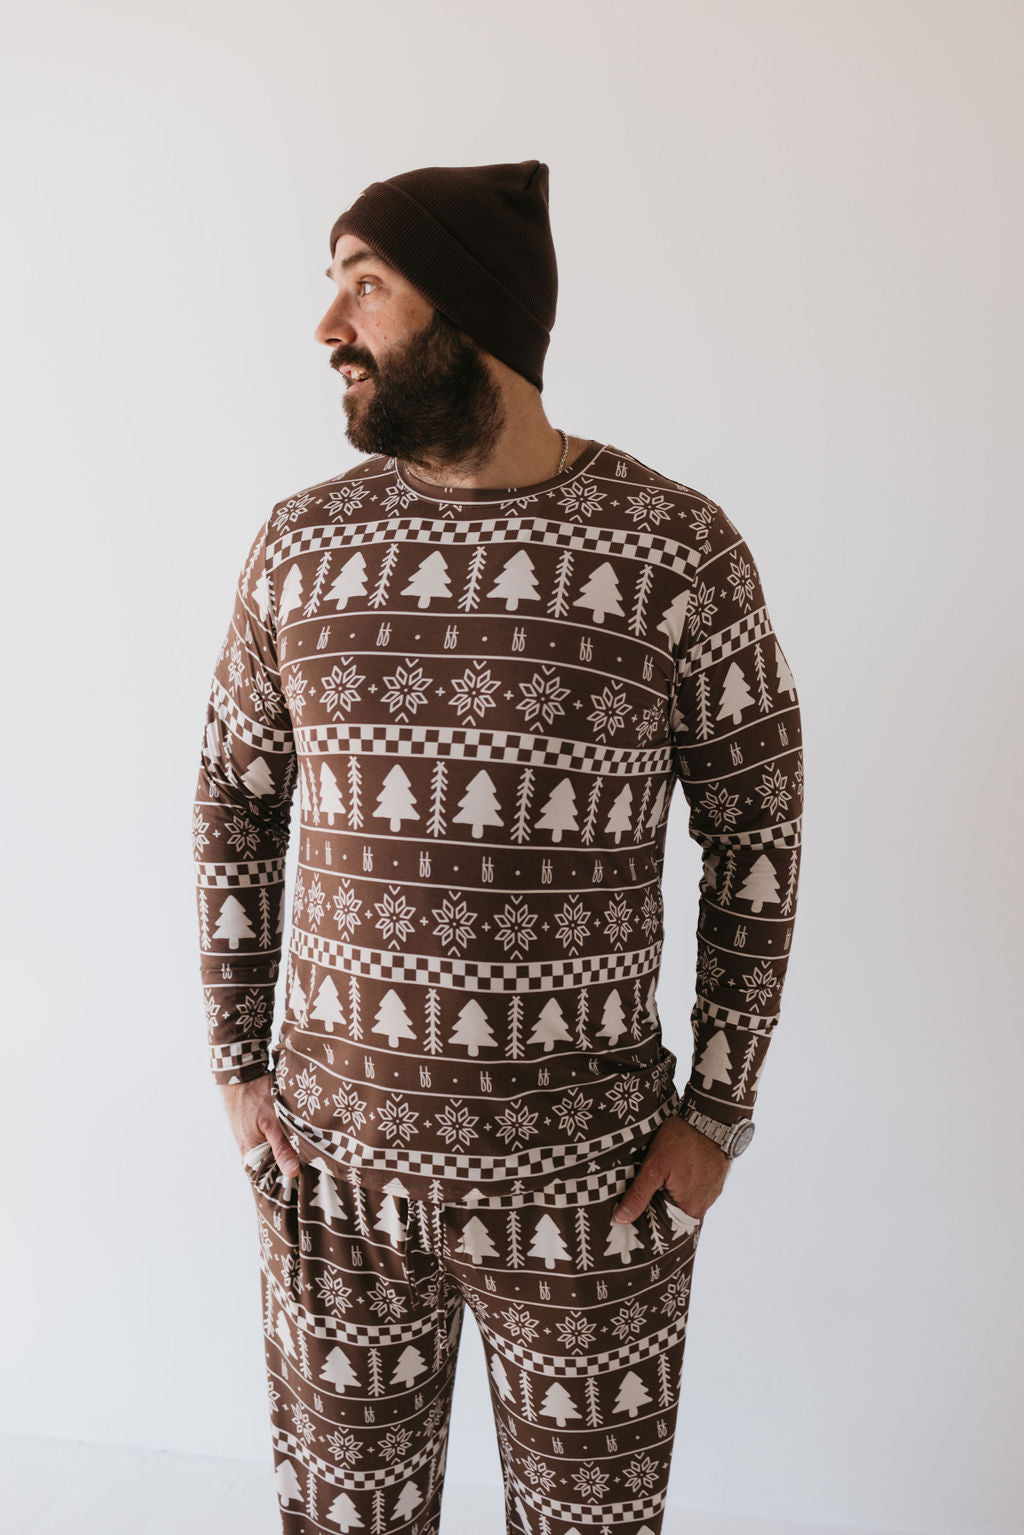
[[684, 1162]]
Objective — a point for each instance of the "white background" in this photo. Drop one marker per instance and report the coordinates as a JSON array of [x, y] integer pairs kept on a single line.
[[789, 244]]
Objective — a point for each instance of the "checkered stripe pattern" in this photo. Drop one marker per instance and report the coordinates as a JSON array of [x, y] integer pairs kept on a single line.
[[490, 976], [480, 746], [631, 543], [786, 834], [240, 1052], [566, 1192], [711, 1013], [240, 876], [718, 647], [262, 738], [537, 1161]]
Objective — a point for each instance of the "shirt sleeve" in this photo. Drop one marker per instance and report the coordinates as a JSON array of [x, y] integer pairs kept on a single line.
[[737, 750], [241, 827]]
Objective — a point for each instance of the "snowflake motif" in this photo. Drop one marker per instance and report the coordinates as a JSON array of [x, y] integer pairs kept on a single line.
[[641, 1475], [347, 906], [759, 986], [721, 807], [200, 826], [515, 926], [407, 690], [628, 1321], [396, 1444], [610, 710], [295, 693], [349, 1109], [741, 579], [398, 498], [617, 922], [212, 1006], [591, 1483], [649, 507], [340, 690], [673, 1295], [709, 971], [304, 1429], [254, 1013], [574, 1113], [386, 1303], [576, 1332], [651, 916], [307, 1090], [266, 698], [700, 526], [542, 699], [292, 510], [538, 1473], [522, 1327], [455, 1126], [651, 723], [582, 498], [573, 925], [236, 666], [624, 1097], [395, 916], [472, 692], [344, 1446], [315, 901], [774, 791], [347, 498], [291, 1272], [702, 608], [334, 1292], [299, 894], [454, 921], [397, 1119], [242, 835], [266, 1248], [516, 1124]]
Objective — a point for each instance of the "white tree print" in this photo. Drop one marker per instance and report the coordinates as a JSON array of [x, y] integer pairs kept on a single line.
[[478, 806], [395, 801], [349, 582], [232, 923], [472, 1028], [392, 1019], [516, 581], [430, 580], [558, 813], [600, 594]]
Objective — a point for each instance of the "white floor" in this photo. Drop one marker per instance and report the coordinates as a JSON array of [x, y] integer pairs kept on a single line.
[[57, 1487]]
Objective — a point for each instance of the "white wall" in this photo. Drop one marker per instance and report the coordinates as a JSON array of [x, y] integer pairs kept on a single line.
[[789, 239]]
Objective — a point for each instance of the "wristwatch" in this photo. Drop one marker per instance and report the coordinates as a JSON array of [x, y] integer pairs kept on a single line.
[[732, 1139]]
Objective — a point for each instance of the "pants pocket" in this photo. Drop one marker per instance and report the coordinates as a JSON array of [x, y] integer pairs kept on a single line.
[[681, 1223], [255, 1156]]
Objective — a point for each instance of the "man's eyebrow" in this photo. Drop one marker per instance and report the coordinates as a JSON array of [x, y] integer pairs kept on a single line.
[[362, 255]]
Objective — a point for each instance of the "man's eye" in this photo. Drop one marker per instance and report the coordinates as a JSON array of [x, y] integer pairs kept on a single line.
[[370, 280]]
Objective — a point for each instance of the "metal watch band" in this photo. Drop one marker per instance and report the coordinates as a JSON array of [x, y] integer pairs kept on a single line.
[[732, 1139]]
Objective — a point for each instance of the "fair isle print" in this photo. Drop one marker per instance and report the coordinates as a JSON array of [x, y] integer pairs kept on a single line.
[[485, 704], [583, 1322]]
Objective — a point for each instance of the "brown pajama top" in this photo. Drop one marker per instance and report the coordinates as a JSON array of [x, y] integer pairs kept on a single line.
[[486, 699]]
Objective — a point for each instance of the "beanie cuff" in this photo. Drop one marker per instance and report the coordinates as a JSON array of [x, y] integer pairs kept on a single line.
[[409, 236]]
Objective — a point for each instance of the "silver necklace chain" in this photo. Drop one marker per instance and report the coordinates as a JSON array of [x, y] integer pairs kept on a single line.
[[565, 449]]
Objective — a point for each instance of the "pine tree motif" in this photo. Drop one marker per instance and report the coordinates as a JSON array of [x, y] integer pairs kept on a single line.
[[470, 599], [638, 620], [548, 1244], [714, 1064], [432, 1008], [559, 604], [321, 576], [355, 815], [436, 823], [632, 1395], [330, 794], [558, 1404], [327, 1004], [379, 596], [585, 1258], [593, 1401], [600, 594]]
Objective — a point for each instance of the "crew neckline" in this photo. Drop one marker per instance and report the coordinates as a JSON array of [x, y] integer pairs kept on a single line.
[[454, 494]]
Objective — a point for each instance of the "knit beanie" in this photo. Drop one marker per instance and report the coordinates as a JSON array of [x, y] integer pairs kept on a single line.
[[476, 241]]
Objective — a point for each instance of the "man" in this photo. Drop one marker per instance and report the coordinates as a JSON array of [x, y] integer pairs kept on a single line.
[[485, 654]]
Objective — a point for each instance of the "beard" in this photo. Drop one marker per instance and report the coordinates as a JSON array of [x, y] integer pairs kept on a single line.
[[431, 401]]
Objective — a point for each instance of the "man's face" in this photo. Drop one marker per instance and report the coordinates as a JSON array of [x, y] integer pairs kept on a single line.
[[430, 396]]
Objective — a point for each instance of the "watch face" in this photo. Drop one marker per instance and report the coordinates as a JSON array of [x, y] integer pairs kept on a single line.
[[742, 1140]]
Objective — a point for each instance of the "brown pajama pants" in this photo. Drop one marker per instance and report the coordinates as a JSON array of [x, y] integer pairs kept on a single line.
[[583, 1322]]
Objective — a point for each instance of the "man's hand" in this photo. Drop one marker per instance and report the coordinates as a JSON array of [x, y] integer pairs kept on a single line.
[[683, 1161], [250, 1107]]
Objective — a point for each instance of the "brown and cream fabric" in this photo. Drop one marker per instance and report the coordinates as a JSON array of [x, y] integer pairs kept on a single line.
[[583, 1323], [485, 699]]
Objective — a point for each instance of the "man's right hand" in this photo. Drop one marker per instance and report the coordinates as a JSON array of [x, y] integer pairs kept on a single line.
[[250, 1107]]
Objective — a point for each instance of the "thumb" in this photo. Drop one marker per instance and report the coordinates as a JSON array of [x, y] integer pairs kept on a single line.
[[638, 1195], [285, 1153]]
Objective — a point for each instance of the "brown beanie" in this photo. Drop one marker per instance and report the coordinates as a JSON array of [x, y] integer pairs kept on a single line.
[[476, 241]]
